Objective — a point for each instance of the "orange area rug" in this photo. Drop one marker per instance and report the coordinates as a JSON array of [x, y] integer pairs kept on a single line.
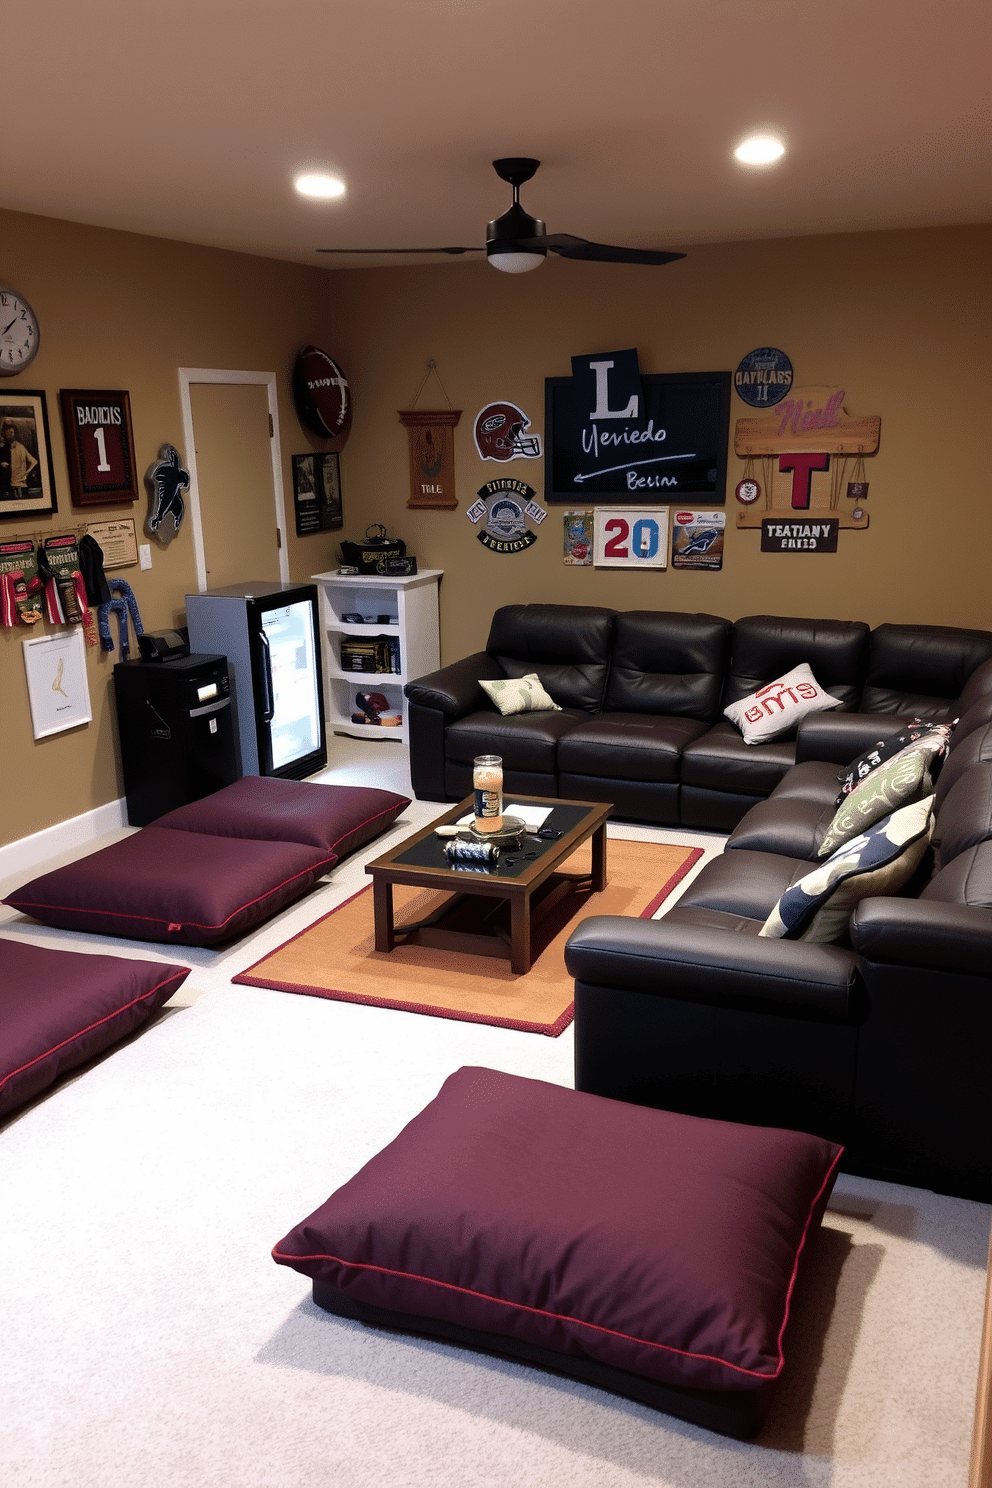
[[336, 958]]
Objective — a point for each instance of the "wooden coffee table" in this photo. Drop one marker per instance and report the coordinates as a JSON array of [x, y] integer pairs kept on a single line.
[[527, 879]]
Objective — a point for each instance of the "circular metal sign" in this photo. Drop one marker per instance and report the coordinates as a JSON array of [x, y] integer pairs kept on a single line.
[[322, 396], [763, 377], [747, 491]]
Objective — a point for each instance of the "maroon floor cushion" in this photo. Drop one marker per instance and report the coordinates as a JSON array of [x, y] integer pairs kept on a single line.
[[212, 870], [60, 1008], [651, 1253]]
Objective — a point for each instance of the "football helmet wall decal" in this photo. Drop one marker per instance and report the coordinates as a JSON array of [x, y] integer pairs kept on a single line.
[[500, 434]]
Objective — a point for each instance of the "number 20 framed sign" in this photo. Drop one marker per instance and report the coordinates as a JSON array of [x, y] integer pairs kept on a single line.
[[99, 447], [631, 537]]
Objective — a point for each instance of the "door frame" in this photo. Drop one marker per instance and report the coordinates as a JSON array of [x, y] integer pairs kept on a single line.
[[190, 375]]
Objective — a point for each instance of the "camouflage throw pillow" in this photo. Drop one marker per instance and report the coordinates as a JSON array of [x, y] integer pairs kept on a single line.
[[520, 695]]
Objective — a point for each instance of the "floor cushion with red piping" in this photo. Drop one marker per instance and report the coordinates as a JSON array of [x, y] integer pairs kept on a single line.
[[650, 1252], [60, 1008], [210, 871]]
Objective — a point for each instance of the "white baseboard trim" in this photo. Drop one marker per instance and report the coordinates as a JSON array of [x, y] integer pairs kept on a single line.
[[28, 852]]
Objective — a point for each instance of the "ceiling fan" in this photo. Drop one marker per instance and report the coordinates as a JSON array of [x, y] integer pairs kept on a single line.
[[517, 242]]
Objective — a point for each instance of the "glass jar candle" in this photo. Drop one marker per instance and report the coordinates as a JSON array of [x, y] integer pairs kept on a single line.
[[487, 782]]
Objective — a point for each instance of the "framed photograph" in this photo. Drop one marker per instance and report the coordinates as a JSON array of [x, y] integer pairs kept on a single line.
[[99, 447], [633, 538], [317, 493], [27, 481], [58, 690]]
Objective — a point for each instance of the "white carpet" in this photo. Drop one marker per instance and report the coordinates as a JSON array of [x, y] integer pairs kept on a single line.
[[148, 1338]]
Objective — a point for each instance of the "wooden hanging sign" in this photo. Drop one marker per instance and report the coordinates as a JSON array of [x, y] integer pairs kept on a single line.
[[807, 447], [812, 418], [432, 456]]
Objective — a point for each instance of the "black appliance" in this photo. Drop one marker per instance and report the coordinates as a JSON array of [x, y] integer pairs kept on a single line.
[[176, 728], [269, 632]]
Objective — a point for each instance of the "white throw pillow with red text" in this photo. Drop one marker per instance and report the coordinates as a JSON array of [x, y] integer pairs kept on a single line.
[[776, 708]]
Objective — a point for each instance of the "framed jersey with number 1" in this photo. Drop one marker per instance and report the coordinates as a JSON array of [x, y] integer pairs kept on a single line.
[[99, 447]]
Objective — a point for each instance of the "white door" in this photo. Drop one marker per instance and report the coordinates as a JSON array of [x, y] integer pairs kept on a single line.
[[237, 511]]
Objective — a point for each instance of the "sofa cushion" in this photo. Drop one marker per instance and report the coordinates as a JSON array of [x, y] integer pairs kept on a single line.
[[965, 815], [520, 695], [568, 646], [762, 647], [167, 885], [524, 741], [921, 669], [879, 861], [336, 818], [967, 879], [742, 883], [668, 663], [792, 826], [60, 1008], [893, 784], [628, 746], [974, 749], [917, 734], [661, 1244], [776, 710], [719, 760]]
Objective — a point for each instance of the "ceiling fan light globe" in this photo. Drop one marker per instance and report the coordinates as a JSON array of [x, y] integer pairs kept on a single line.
[[515, 262]]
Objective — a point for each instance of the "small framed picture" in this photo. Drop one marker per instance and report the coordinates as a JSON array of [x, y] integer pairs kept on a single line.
[[635, 537], [27, 481], [58, 689], [99, 447], [317, 493]]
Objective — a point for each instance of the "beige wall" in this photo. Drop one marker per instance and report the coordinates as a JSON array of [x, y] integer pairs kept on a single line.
[[901, 320], [122, 311]]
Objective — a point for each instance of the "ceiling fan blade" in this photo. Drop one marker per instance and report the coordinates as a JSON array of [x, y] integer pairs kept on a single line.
[[400, 250], [569, 246]]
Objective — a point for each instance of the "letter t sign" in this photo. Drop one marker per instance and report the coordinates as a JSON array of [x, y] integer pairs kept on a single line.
[[802, 467]]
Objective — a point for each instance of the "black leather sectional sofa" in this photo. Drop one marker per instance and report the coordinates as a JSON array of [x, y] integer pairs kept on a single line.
[[642, 695], [881, 1042]]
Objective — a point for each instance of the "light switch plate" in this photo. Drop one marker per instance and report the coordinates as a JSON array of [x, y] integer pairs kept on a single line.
[[145, 555]]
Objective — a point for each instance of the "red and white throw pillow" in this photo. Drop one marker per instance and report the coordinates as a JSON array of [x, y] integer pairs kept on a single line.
[[777, 708]]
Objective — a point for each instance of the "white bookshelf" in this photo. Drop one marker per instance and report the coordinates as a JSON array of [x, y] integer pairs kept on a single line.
[[412, 605]]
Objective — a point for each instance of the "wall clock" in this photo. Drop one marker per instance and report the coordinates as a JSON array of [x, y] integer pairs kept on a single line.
[[19, 333]]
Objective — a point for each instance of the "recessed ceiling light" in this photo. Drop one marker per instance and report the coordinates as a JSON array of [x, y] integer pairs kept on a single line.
[[319, 184], [760, 149]]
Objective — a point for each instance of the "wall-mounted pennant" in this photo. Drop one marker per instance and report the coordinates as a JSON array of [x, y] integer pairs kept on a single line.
[[506, 505], [432, 456]]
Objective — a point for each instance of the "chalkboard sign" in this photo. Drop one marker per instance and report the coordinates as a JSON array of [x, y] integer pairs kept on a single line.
[[604, 442]]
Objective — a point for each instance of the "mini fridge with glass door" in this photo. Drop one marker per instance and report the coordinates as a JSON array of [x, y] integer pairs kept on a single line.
[[268, 632]]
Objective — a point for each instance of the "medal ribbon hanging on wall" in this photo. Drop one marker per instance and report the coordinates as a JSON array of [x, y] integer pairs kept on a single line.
[[431, 437]]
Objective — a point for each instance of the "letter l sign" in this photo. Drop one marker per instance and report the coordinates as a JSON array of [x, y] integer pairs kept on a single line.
[[603, 409]]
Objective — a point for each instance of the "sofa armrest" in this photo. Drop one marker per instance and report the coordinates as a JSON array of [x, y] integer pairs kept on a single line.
[[841, 737], [704, 964], [455, 690], [924, 933]]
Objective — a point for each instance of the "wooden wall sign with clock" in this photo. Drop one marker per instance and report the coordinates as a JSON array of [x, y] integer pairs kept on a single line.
[[99, 447], [19, 333], [810, 452]]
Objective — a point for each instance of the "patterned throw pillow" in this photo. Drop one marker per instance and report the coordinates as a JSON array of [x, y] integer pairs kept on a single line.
[[900, 780], [777, 708], [916, 733], [520, 695], [879, 861]]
